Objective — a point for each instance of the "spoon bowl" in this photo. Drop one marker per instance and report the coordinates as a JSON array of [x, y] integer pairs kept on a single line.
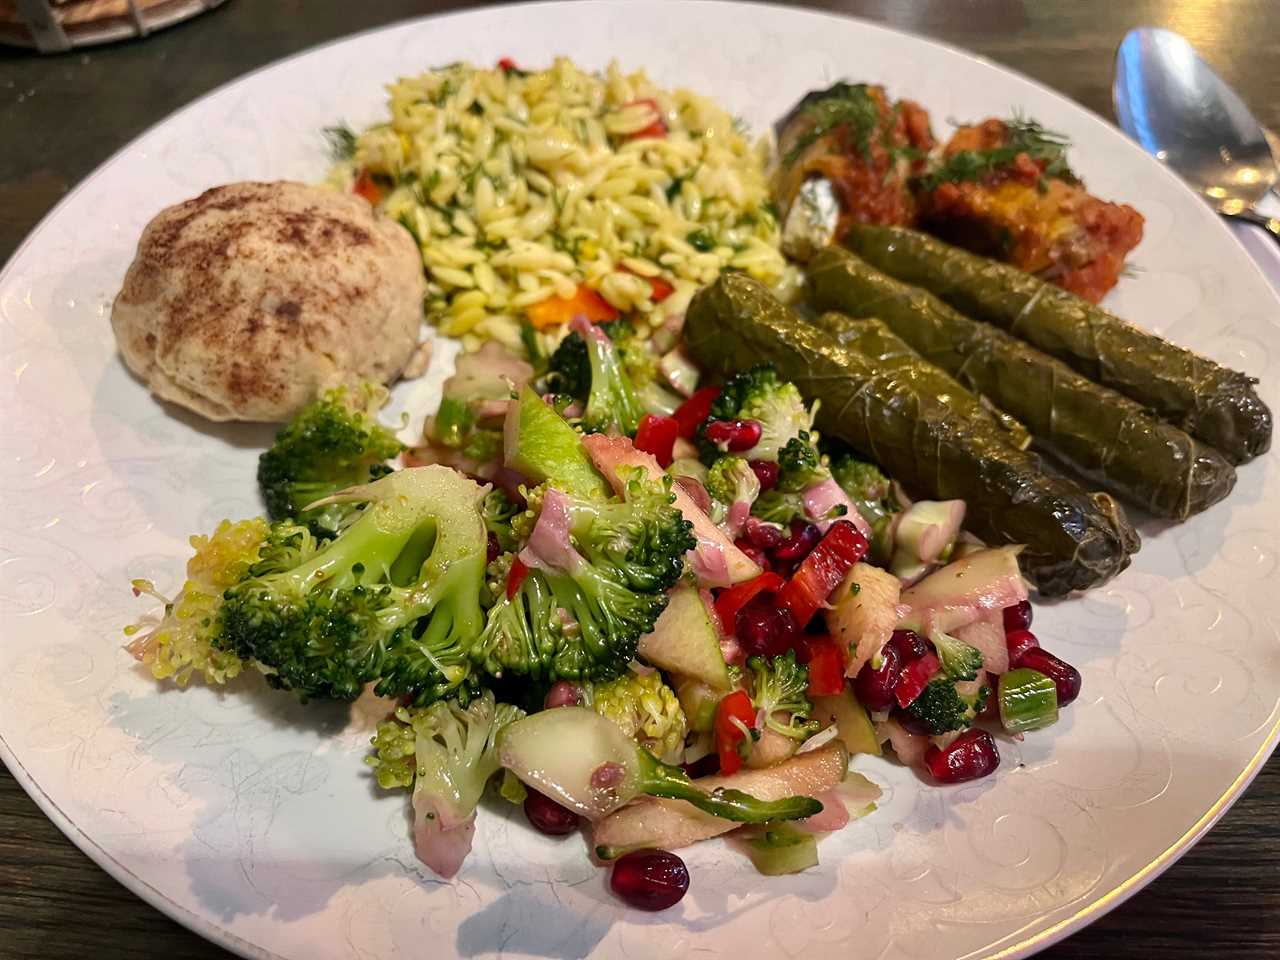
[[1174, 104]]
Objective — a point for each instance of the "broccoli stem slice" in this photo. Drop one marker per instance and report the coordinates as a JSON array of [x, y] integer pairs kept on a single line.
[[658, 779]]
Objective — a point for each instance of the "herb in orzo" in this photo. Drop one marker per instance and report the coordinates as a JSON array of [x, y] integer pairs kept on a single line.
[[522, 187]]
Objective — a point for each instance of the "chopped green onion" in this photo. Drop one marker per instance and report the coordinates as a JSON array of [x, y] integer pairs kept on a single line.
[[779, 849], [1028, 700]]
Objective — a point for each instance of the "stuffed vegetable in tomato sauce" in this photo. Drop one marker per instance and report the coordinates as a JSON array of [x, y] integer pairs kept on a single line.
[[1003, 188], [847, 155]]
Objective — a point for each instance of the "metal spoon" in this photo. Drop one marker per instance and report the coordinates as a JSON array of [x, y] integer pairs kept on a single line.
[[1181, 112]]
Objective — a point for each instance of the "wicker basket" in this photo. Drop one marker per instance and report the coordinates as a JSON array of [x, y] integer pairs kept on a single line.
[[52, 26]]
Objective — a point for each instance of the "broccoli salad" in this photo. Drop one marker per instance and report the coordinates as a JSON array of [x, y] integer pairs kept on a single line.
[[633, 601]]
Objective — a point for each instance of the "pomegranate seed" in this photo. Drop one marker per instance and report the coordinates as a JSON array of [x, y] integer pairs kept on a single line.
[[1019, 642], [763, 628], [1017, 617], [909, 644], [492, 548], [734, 435], [911, 724], [1064, 676], [702, 767], [549, 817], [562, 694], [650, 879], [874, 688], [970, 756], [766, 472], [757, 555], [767, 536], [804, 537]]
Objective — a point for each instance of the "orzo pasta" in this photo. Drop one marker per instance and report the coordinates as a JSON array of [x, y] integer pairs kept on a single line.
[[522, 187]]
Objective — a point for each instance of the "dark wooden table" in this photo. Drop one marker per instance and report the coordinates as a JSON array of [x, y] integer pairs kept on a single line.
[[61, 116]]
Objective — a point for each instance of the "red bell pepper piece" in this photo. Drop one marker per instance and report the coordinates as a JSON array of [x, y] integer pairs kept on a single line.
[[554, 311], [822, 570], [735, 715], [732, 599], [657, 435], [659, 289], [693, 412], [915, 677], [367, 187], [826, 667], [515, 577], [656, 129], [506, 65]]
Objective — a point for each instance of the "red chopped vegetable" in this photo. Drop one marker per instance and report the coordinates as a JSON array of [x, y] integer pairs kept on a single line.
[[515, 576], [915, 677], [506, 65], [659, 289], [826, 667], [693, 412], [555, 311], [822, 570], [657, 435], [367, 187], [732, 599], [730, 736], [658, 128]]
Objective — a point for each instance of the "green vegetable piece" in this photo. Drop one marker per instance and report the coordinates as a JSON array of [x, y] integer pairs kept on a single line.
[[1102, 434], [331, 444], [851, 720], [645, 709], [394, 598], [1208, 401], [959, 660], [585, 762], [699, 702], [779, 849], [542, 446], [908, 425], [779, 689], [942, 708], [1028, 700], [685, 641]]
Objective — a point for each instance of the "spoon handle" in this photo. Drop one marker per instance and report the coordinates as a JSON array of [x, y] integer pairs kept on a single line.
[[1269, 224]]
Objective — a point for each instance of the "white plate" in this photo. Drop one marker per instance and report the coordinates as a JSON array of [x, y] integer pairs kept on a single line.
[[250, 819]]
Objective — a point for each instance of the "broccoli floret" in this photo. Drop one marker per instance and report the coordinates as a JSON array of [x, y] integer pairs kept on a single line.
[[587, 366], [774, 506], [569, 370], [800, 465], [731, 480], [645, 709], [499, 512], [334, 443], [579, 614], [180, 644], [865, 485], [780, 686], [758, 394], [394, 598], [959, 660], [447, 753], [639, 358], [941, 708]]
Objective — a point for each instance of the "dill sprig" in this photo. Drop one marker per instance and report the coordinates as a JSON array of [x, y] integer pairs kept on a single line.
[[342, 142], [1023, 136], [843, 104]]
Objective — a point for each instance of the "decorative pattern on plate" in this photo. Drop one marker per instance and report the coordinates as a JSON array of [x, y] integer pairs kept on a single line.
[[253, 820]]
